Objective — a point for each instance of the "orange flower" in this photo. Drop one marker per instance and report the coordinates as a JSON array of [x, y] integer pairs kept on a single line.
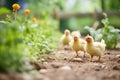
[[40, 21], [27, 11], [34, 19], [16, 6]]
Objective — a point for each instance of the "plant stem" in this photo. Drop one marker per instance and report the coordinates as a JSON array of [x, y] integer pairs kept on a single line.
[[15, 14]]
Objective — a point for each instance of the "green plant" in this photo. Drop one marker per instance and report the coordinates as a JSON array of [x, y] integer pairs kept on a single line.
[[41, 38], [13, 54], [4, 11], [108, 33], [22, 40]]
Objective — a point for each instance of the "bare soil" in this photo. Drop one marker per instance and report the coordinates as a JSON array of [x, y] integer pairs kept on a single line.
[[61, 65], [107, 69]]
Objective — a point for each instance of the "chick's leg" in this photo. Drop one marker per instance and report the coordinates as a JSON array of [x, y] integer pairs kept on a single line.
[[99, 58], [91, 58], [76, 54], [84, 53]]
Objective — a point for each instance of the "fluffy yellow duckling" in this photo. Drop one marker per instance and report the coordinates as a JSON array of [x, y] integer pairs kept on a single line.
[[94, 48], [66, 38], [77, 44]]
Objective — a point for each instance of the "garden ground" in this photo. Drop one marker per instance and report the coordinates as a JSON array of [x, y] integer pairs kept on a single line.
[[60, 65]]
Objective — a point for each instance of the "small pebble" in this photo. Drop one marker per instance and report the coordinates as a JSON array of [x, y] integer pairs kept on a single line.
[[117, 56], [43, 71], [102, 66], [106, 67], [43, 60], [77, 60], [66, 68], [97, 64]]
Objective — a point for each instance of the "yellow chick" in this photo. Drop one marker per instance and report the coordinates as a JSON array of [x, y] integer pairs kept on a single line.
[[94, 48], [75, 33], [77, 44], [66, 38]]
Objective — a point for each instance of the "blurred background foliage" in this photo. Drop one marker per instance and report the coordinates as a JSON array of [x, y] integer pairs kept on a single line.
[[75, 6], [43, 8]]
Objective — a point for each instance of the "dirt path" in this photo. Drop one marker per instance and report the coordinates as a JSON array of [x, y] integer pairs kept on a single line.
[[62, 66]]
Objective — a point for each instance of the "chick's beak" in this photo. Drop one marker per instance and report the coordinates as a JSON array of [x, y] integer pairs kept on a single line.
[[75, 38], [88, 39]]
